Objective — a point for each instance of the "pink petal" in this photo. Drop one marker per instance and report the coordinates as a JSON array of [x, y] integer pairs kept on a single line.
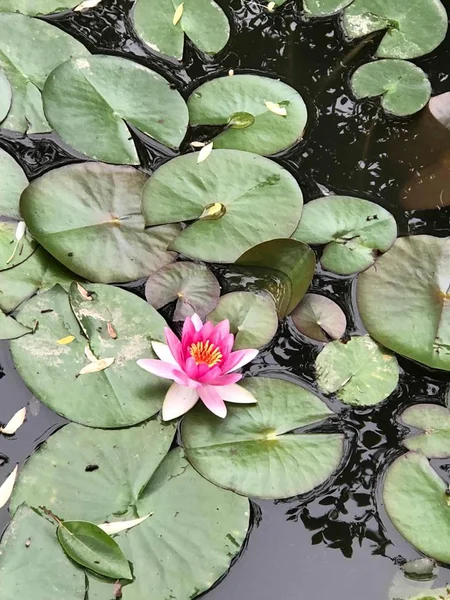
[[191, 368], [238, 359], [175, 345], [188, 332], [196, 322], [178, 400], [227, 379], [162, 369], [163, 352], [206, 331], [210, 375], [212, 400], [236, 393]]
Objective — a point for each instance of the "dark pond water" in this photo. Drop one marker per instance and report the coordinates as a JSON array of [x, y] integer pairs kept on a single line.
[[337, 542]]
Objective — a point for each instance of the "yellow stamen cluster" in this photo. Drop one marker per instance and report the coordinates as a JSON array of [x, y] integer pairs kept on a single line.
[[205, 353]]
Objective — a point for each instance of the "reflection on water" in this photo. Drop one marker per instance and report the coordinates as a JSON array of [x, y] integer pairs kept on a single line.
[[337, 542]]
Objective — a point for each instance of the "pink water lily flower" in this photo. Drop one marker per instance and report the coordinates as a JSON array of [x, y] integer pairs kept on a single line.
[[202, 367]]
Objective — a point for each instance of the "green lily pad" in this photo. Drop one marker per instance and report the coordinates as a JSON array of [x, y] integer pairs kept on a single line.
[[288, 260], [319, 318], [404, 300], [36, 7], [216, 101], [323, 8], [405, 89], [193, 286], [38, 273], [29, 50], [118, 396], [194, 530], [411, 30], [359, 372], [88, 216], [259, 201], [434, 420], [5, 97], [203, 22], [13, 252], [439, 107], [10, 329], [354, 229], [12, 183], [40, 571], [416, 502], [90, 101], [253, 318], [252, 451]]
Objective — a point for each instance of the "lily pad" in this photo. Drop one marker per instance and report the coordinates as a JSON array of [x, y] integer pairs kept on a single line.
[[215, 102], [253, 318], [12, 183], [189, 517], [291, 261], [405, 88], [434, 420], [252, 451], [12, 251], [411, 29], [404, 300], [88, 216], [36, 7], [323, 8], [354, 229], [203, 22], [319, 318], [193, 286], [258, 201], [5, 97], [439, 106], [38, 273], [416, 502], [117, 396], [10, 329], [40, 570], [29, 50], [90, 101], [359, 372]]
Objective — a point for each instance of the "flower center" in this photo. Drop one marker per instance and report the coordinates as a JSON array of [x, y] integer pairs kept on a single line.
[[205, 353]]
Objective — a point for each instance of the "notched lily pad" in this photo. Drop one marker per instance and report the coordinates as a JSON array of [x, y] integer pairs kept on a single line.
[[121, 395], [260, 201], [355, 230], [217, 102], [90, 101], [319, 318], [88, 216], [10, 329], [404, 88], [253, 318], [252, 451], [360, 372], [193, 286], [162, 25], [404, 299], [434, 421]]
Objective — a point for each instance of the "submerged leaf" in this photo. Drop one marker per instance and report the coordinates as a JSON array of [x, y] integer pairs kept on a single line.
[[15, 422], [319, 318], [7, 487]]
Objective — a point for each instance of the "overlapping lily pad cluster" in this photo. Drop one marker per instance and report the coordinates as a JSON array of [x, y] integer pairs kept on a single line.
[[182, 512]]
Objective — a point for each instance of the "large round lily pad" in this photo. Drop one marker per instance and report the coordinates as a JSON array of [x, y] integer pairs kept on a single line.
[[319, 318], [354, 230], [89, 102], [12, 183], [88, 216], [39, 569], [252, 451], [253, 318], [405, 88], [120, 395], [203, 22], [194, 530], [252, 200], [215, 102], [359, 371], [13, 252], [36, 7], [5, 96], [434, 421], [404, 299], [29, 50], [411, 29], [193, 286], [416, 501]]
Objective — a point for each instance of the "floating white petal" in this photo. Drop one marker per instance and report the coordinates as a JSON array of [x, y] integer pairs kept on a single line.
[[13, 424], [7, 487], [118, 526], [178, 14], [87, 4], [276, 108], [20, 230], [205, 152], [97, 365]]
